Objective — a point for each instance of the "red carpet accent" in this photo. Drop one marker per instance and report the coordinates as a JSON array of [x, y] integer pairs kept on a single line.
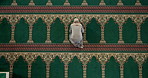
[[70, 47], [74, 9]]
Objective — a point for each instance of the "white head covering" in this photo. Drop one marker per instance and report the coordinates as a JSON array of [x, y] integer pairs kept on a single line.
[[76, 20]]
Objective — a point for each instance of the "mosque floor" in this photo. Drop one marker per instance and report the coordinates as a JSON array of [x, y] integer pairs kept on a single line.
[[66, 47]]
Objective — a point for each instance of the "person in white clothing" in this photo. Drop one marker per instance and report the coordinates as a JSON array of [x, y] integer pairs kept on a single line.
[[76, 30]]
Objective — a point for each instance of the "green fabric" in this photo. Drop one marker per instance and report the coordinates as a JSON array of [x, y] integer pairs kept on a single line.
[[144, 2], [112, 69], [5, 2], [131, 69], [20, 68], [23, 2], [94, 69], [57, 33], [5, 31], [144, 31], [58, 2], [75, 2], [40, 2], [129, 2], [39, 32], [21, 32], [93, 28], [111, 2], [93, 2], [145, 69], [111, 32], [2, 75], [57, 68], [129, 32], [38, 69], [75, 69], [4, 65]]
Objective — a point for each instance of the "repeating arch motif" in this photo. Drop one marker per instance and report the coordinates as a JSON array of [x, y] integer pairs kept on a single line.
[[84, 58], [68, 18]]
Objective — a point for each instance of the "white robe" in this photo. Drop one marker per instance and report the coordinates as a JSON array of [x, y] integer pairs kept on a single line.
[[76, 38]]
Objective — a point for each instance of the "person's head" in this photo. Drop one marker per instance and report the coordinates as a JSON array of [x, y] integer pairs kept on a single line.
[[76, 20]]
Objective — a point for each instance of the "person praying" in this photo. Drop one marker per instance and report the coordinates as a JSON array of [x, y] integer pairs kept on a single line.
[[75, 36]]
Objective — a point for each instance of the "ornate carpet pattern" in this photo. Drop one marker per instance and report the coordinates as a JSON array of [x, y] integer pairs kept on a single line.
[[34, 38], [117, 48], [75, 9]]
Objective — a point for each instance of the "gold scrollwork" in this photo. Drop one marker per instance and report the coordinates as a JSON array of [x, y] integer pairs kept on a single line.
[[84, 58], [68, 18]]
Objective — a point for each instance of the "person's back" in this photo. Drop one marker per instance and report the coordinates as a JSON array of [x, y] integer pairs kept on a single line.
[[76, 31]]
